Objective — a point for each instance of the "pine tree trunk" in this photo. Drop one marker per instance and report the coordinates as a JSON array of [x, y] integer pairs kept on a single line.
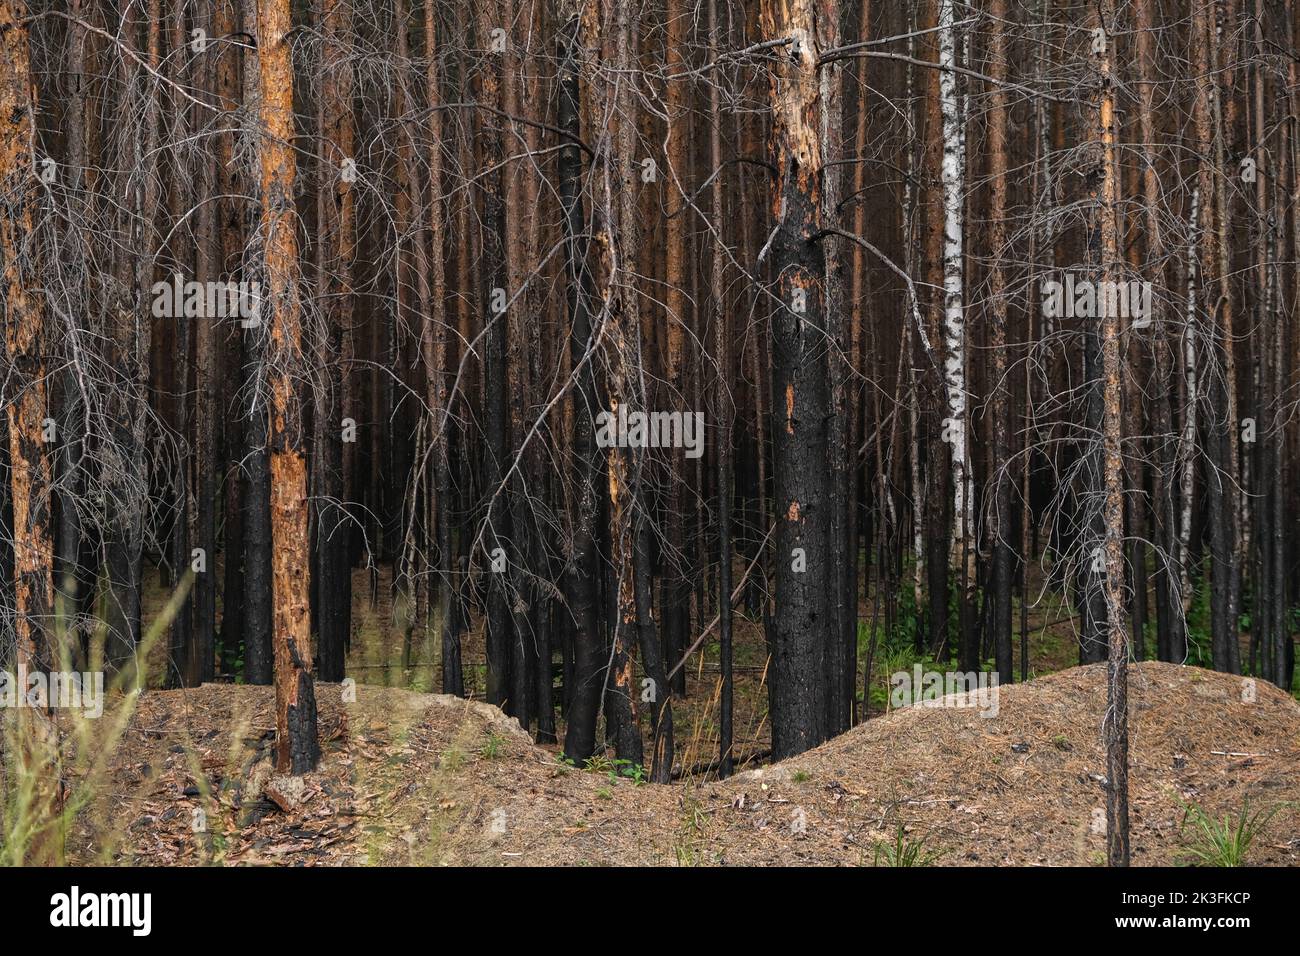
[[433, 345], [30, 469], [724, 412], [125, 471], [258, 654], [1001, 529], [522, 646], [1171, 642], [496, 450], [207, 374], [676, 590], [802, 629], [617, 242], [583, 571], [336, 229], [297, 746], [1115, 727], [26, 341]]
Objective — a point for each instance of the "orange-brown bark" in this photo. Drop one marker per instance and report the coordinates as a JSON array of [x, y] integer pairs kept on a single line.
[[25, 407], [297, 748]]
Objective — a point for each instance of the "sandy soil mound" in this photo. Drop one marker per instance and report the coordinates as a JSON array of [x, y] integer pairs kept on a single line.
[[424, 779]]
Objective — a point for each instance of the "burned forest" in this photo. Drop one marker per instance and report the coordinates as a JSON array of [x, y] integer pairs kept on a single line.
[[649, 432]]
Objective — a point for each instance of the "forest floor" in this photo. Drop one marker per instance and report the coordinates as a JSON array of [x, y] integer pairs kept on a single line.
[[414, 778]]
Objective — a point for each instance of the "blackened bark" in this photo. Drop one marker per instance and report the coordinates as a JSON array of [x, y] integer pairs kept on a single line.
[[232, 585], [331, 543], [661, 701], [257, 534], [184, 657], [723, 410], [583, 570], [496, 448], [1001, 530], [804, 623], [840, 655], [616, 244], [125, 471]]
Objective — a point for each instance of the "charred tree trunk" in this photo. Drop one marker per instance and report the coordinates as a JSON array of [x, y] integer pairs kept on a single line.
[[676, 589], [803, 626], [616, 238], [1171, 644], [336, 230], [207, 373], [496, 450], [258, 655], [583, 560], [724, 411], [1001, 525], [125, 471], [433, 344]]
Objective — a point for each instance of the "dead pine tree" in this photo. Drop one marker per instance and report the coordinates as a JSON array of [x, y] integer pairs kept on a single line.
[[676, 603], [297, 746], [1171, 641], [582, 555], [202, 659], [803, 624], [523, 664], [1115, 729], [125, 471], [1001, 530], [615, 239], [1219, 384], [256, 596], [24, 400], [496, 448], [724, 411], [433, 350], [336, 230]]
